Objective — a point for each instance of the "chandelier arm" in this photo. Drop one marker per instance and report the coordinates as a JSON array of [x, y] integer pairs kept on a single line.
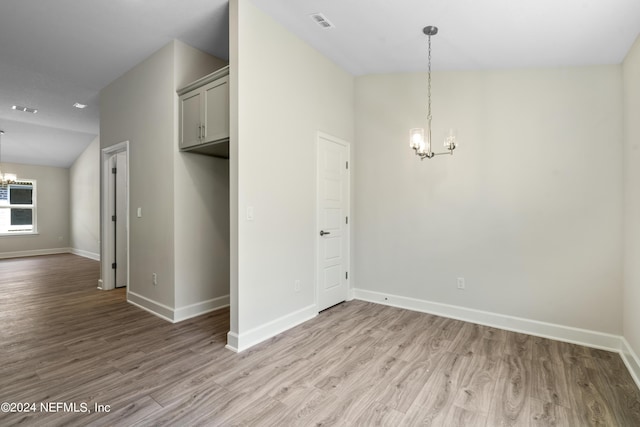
[[448, 152], [423, 156], [432, 154]]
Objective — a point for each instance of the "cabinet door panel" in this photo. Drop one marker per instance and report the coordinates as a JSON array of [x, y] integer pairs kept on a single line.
[[216, 110], [190, 119]]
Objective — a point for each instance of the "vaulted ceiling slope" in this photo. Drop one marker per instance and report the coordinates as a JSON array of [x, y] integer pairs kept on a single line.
[[56, 53]]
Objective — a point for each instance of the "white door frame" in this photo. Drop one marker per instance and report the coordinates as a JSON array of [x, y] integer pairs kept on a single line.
[[347, 145], [106, 241]]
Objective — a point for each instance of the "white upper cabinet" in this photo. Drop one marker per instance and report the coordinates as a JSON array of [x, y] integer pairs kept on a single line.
[[216, 110], [190, 119], [204, 115]]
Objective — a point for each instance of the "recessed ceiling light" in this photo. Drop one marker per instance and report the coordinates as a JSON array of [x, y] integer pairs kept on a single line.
[[25, 109], [80, 106], [322, 21]]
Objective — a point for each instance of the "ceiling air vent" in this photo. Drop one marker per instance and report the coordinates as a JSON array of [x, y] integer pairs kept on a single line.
[[322, 21]]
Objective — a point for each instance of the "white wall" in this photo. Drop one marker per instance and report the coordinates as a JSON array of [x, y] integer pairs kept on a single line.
[[234, 42], [84, 181], [201, 204], [139, 107], [283, 92], [184, 197], [631, 73], [528, 210], [52, 188]]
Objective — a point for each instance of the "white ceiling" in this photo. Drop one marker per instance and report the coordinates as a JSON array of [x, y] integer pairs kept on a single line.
[[385, 36], [56, 52]]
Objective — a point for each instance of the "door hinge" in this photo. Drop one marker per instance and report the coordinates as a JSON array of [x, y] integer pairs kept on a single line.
[[114, 170], [346, 275], [113, 265], [113, 218], [346, 220]]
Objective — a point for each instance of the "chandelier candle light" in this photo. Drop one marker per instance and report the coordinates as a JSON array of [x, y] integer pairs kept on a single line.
[[418, 140], [5, 178]]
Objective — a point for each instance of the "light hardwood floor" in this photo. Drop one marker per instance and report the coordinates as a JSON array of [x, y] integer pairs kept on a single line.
[[358, 363]]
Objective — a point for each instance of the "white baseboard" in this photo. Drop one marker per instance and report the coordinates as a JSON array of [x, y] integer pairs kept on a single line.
[[232, 341], [244, 340], [36, 252], [197, 309], [516, 324], [631, 360], [86, 254], [153, 307], [179, 314]]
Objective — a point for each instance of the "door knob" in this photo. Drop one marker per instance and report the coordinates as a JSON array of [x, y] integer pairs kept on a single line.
[[322, 232]]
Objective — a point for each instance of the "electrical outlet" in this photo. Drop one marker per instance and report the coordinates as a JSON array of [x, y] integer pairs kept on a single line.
[[461, 284], [296, 286], [154, 277]]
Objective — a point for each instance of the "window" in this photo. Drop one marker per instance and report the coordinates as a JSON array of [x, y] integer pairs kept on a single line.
[[18, 208]]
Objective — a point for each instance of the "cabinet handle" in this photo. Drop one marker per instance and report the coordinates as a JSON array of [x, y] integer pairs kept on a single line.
[[199, 132], [204, 132]]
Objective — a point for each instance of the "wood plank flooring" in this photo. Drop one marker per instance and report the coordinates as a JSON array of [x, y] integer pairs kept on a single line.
[[360, 364]]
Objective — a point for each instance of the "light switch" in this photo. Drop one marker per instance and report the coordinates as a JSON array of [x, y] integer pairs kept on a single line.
[[139, 212], [249, 213]]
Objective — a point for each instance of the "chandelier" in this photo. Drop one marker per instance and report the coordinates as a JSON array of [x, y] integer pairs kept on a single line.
[[5, 178], [420, 140]]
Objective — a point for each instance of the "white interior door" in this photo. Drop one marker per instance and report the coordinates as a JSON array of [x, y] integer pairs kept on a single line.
[[121, 212], [114, 233], [333, 221]]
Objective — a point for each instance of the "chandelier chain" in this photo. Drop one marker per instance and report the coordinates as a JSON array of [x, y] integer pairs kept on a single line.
[[429, 86]]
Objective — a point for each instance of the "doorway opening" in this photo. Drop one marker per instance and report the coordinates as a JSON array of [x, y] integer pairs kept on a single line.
[[115, 217]]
